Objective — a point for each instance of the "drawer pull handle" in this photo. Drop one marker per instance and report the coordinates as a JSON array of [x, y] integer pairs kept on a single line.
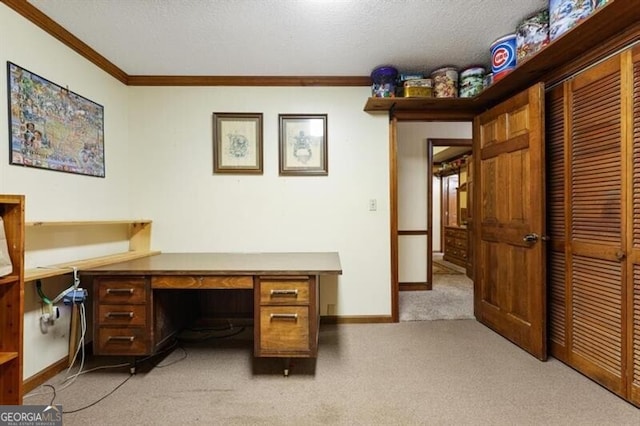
[[120, 314], [122, 338], [292, 292], [284, 316], [119, 290]]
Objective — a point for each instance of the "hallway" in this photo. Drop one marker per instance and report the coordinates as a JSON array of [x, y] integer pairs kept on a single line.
[[451, 297]]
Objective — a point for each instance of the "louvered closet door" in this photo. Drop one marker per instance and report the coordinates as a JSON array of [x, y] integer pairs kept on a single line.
[[596, 259], [556, 223], [634, 317]]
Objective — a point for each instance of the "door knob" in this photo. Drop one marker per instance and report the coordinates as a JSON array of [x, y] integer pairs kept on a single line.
[[531, 238]]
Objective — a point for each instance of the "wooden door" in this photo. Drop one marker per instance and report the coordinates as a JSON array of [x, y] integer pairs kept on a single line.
[[596, 222], [469, 218], [449, 201], [510, 285], [633, 268], [593, 143]]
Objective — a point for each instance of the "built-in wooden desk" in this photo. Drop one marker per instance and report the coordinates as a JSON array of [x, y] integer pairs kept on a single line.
[[136, 307]]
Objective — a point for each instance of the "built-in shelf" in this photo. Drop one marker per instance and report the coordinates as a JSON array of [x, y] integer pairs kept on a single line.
[[605, 23], [139, 237], [9, 279], [12, 301], [67, 267], [412, 104], [88, 223], [7, 356]]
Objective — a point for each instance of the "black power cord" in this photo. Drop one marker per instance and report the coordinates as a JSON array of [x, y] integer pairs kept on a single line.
[[174, 345], [171, 347], [95, 402]]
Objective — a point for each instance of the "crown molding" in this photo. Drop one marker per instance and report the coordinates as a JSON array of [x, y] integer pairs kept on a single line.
[[185, 80], [41, 20]]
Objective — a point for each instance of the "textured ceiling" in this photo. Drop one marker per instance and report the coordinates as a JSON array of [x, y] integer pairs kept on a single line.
[[288, 37]]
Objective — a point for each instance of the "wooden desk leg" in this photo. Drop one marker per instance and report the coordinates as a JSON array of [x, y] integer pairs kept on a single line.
[[287, 366]]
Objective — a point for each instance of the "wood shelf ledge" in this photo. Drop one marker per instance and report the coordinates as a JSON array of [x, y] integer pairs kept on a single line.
[[9, 279], [88, 222], [67, 267], [7, 356]]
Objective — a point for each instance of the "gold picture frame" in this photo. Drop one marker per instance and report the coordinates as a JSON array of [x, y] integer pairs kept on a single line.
[[237, 143], [303, 144]]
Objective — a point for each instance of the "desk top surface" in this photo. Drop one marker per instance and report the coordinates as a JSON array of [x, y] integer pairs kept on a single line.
[[325, 263]]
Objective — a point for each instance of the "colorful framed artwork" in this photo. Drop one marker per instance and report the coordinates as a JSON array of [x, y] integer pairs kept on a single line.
[[303, 144], [237, 143], [53, 128]]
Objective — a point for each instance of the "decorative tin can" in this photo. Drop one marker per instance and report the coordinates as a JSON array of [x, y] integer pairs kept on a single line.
[[487, 80], [471, 81], [384, 82], [597, 4], [403, 78], [445, 82], [532, 34], [418, 88], [410, 76], [565, 14], [503, 56]]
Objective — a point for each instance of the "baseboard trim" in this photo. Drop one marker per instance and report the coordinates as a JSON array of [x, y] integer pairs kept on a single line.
[[51, 371], [41, 377], [415, 286], [360, 319]]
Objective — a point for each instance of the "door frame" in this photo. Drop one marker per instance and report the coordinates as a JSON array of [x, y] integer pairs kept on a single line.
[[394, 118]]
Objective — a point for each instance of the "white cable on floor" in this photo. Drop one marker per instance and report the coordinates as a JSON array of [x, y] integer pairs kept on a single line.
[[70, 379]]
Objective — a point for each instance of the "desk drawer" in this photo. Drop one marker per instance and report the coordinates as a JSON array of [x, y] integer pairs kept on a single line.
[[202, 281], [122, 315], [284, 329], [121, 290], [122, 341], [284, 292]]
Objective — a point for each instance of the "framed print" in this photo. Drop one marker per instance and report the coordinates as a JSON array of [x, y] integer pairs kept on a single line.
[[303, 144], [237, 143], [51, 127]]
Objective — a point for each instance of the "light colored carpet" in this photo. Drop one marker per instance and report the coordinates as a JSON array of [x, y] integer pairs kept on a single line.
[[410, 373], [451, 298]]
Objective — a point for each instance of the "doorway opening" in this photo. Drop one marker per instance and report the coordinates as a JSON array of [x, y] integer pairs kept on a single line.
[[427, 201]]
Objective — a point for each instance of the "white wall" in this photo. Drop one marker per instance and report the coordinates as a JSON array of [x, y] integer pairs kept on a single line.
[[158, 150], [195, 210], [436, 245], [55, 195]]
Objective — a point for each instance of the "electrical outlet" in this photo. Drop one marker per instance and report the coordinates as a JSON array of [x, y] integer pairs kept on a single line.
[[373, 205]]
